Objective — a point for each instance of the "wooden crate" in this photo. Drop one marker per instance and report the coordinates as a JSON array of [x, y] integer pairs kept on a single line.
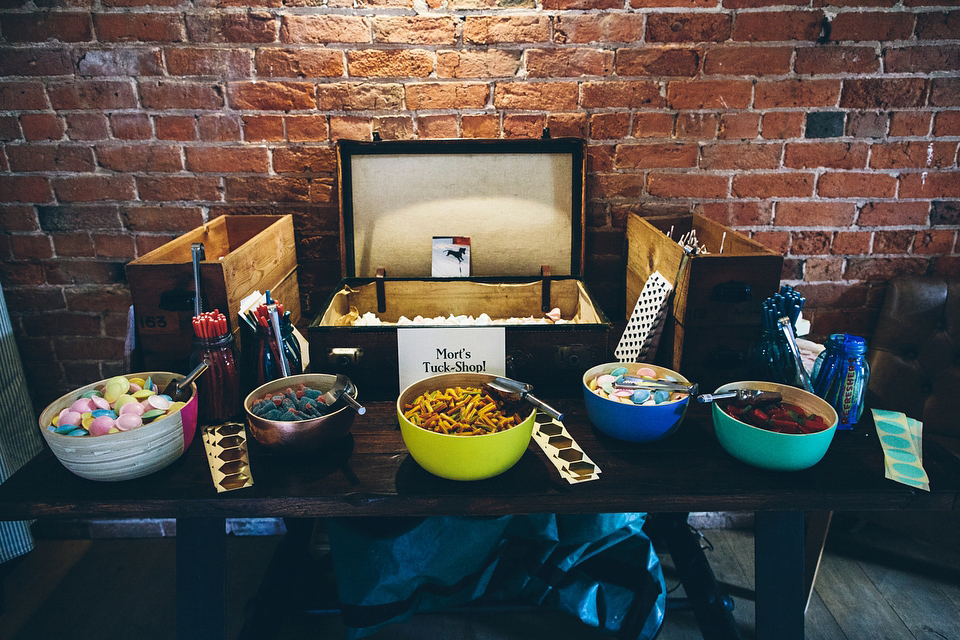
[[242, 254], [715, 309]]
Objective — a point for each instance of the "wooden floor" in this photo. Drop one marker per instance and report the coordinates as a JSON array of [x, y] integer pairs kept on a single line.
[[122, 589]]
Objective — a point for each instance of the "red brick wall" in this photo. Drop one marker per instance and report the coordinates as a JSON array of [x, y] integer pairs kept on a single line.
[[126, 122]]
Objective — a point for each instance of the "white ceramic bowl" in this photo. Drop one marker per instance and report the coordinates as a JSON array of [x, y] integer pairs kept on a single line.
[[128, 454]]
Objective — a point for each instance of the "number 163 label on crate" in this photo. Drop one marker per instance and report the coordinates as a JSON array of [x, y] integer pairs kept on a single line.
[[428, 351]]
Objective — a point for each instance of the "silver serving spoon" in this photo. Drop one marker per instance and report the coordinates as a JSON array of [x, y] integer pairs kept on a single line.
[[341, 390], [522, 390]]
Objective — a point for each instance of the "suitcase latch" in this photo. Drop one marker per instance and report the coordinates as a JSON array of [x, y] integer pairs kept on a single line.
[[343, 356], [573, 356]]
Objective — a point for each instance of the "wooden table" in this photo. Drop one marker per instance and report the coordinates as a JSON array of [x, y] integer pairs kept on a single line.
[[370, 474]]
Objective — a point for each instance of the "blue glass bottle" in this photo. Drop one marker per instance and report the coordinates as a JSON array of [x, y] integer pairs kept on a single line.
[[841, 377]]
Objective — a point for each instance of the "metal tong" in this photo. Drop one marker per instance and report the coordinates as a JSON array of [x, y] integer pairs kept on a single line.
[[744, 396], [275, 325], [522, 390], [634, 382], [787, 328]]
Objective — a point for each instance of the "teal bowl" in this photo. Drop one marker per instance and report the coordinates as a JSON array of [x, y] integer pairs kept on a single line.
[[769, 449], [633, 423]]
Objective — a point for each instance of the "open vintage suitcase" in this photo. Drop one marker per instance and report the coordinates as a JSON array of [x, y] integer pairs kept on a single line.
[[521, 204]]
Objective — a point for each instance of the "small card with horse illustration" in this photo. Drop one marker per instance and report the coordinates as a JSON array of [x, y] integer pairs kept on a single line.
[[451, 257]]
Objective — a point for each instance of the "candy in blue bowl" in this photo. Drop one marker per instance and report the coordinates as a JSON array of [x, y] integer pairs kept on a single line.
[[635, 415]]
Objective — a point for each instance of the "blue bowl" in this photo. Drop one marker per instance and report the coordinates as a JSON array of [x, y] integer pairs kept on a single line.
[[633, 423]]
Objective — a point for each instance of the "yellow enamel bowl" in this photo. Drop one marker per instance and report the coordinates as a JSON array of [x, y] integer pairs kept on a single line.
[[300, 436], [769, 449], [127, 454], [461, 457]]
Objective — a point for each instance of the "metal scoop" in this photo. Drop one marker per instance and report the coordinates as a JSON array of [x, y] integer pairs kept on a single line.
[[179, 390], [341, 390], [522, 390], [756, 397]]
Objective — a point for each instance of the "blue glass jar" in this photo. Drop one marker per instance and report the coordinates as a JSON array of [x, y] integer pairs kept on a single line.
[[831, 351], [770, 359], [840, 376]]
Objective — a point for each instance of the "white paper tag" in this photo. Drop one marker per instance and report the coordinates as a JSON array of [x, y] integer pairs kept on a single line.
[[428, 351]]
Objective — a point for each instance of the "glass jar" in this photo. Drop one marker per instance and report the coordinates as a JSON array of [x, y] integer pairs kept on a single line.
[[771, 360], [842, 377], [219, 387], [827, 357]]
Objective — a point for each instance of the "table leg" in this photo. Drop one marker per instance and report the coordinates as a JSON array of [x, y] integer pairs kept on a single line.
[[699, 582], [286, 587], [201, 578], [779, 572], [815, 540]]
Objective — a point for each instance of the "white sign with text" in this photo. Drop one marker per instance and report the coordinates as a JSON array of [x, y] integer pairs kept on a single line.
[[428, 351]]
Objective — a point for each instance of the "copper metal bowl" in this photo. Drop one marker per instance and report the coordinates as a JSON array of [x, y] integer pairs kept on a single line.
[[302, 436]]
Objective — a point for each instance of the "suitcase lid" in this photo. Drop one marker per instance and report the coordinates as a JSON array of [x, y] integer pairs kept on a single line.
[[521, 203]]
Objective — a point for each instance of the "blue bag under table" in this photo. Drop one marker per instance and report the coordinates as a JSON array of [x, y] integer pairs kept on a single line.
[[601, 568]]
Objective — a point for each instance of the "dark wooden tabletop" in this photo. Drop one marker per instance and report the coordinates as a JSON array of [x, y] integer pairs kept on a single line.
[[371, 474]]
